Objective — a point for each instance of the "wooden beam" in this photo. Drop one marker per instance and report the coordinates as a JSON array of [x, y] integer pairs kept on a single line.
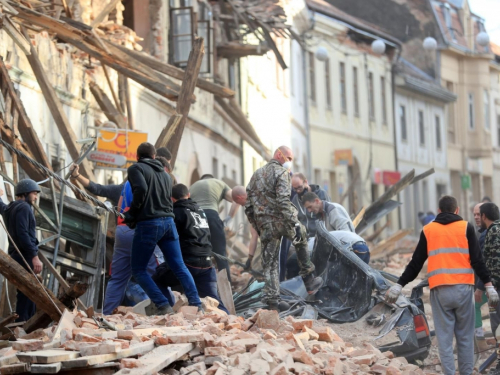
[[15, 35], [358, 217], [107, 107], [57, 111], [104, 12], [378, 251], [225, 292], [67, 9], [237, 50], [112, 89], [128, 103], [422, 176], [187, 89], [26, 283], [372, 237], [80, 36], [175, 72], [168, 131], [66, 287], [26, 129]]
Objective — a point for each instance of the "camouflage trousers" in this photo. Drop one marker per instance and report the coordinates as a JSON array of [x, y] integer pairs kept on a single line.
[[270, 237]]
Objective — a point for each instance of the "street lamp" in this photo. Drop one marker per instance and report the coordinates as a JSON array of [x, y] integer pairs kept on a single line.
[[430, 44], [483, 39], [378, 46], [321, 53]]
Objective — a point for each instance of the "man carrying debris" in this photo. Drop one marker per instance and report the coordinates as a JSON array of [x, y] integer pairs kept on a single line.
[[272, 214], [208, 192], [194, 238], [334, 215], [20, 222], [450, 245], [479, 296], [302, 187], [490, 224], [151, 215]]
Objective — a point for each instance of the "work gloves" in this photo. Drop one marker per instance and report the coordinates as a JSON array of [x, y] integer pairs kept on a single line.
[[226, 221], [298, 233], [492, 296], [248, 264], [393, 293]]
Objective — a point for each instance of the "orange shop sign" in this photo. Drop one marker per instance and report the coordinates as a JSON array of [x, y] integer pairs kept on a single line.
[[343, 157], [120, 142]]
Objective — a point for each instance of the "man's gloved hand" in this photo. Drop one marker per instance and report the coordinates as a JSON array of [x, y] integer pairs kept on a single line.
[[492, 296], [298, 233], [227, 220], [248, 264], [393, 293]]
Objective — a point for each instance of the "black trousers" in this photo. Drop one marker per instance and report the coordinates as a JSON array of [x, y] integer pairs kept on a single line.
[[25, 307], [218, 239]]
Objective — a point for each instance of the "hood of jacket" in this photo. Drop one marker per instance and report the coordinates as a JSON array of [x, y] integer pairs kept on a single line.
[[187, 203], [13, 205], [445, 218], [153, 163]]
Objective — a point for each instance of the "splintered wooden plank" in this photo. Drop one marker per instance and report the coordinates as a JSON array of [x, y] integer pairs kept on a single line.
[[52, 368], [225, 293], [97, 359], [47, 356], [158, 359]]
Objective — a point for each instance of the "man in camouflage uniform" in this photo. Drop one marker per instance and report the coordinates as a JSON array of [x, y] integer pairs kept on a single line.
[[272, 214], [490, 221]]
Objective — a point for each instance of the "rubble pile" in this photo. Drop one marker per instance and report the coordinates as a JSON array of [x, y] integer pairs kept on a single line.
[[239, 278], [213, 343]]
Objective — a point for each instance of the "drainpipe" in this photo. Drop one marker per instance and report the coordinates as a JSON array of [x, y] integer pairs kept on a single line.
[[394, 117], [306, 112]]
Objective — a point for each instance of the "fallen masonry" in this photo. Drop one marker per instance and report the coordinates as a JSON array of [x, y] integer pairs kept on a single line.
[[185, 343]]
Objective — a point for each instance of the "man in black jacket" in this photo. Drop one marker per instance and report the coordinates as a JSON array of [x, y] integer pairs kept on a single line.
[[20, 222], [151, 215], [194, 238]]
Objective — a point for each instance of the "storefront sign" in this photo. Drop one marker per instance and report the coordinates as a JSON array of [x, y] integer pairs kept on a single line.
[[466, 181], [120, 142], [107, 158], [343, 157], [389, 178]]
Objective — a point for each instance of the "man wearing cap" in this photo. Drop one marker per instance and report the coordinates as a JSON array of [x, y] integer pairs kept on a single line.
[[20, 222]]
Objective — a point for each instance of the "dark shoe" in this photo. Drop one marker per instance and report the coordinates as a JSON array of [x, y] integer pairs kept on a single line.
[[273, 304], [152, 310], [201, 310], [283, 306], [312, 283]]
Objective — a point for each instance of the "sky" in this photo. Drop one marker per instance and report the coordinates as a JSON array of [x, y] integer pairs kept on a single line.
[[490, 11]]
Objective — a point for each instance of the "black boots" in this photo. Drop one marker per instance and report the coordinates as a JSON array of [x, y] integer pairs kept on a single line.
[[312, 283]]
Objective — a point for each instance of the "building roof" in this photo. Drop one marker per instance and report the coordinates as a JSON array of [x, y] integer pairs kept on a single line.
[[332, 11], [453, 30], [416, 80]]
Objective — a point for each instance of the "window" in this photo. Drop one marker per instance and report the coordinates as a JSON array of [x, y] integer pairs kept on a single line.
[[234, 176], [343, 100], [181, 35], [471, 111], [438, 133], [421, 127], [402, 121], [451, 114], [384, 103], [204, 30], [498, 130], [224, 170], [327, 84], [312, 78], [355, 90], [317, 176], [215, 167], [280, 73], [371, 98], [486, 109]]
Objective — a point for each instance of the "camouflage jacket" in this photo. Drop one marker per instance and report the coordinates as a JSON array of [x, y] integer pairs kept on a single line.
[[492, 252], [269, 197]]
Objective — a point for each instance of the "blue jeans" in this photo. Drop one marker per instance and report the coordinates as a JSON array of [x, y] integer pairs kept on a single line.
[[121, 269], [161, 232], [362, 251]]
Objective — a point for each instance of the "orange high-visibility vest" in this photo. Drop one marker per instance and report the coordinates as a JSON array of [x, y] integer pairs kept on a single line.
[[448, 254]]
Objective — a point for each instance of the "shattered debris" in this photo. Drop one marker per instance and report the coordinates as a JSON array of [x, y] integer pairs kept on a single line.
[[214, 343]]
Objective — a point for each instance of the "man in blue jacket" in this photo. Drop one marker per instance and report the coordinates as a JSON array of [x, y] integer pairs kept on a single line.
[[20, 222], [152, 217]]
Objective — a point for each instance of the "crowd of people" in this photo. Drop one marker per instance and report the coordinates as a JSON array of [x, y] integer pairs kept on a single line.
[[158, 216]]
